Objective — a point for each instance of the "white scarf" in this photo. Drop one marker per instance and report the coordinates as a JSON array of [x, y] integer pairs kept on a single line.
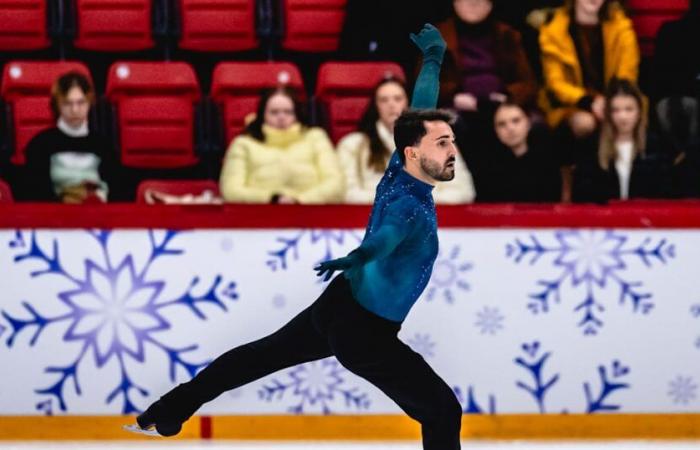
[[81, 131]]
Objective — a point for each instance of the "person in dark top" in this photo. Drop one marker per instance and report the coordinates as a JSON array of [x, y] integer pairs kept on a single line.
[[677, 82], [68, 163], [519, 164], [630, 162]]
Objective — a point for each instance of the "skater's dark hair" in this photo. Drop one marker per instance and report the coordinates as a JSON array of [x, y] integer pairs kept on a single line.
[[410, 127]]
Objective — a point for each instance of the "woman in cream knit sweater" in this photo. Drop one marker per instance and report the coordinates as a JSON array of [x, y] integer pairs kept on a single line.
[[278, 159], [365, 154]]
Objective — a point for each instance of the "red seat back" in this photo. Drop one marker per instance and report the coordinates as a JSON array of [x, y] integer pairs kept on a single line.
[[5, 193], [155, 114], [218, 25], [343, 91], [648, 17], [313, 25], [26, 87], [236, 89], [113, 25], [176, 187], [23, 25]]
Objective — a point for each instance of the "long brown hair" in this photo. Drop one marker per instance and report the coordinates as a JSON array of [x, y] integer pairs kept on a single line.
[[607, 151], [379, 154]]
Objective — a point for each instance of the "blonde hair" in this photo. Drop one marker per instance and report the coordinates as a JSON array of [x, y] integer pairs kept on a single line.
[[607, 151]]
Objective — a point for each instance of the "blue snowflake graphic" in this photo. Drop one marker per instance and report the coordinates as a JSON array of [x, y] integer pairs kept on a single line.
[[315, 384], [448, 274], [682, 390], [113, 310], [594, 259], [534, 364], [289, 246], [423, 344], [489, 320], [695, 312], [609, 383], [469, 403]]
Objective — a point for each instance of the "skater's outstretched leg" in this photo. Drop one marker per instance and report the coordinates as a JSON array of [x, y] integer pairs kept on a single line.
[[299, 341]]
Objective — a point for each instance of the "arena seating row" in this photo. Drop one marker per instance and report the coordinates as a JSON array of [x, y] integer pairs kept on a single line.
[[216, 25], [157, 115], [196, 25]]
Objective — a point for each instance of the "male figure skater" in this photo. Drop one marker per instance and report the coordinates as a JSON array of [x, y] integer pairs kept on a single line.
[[358, 316]]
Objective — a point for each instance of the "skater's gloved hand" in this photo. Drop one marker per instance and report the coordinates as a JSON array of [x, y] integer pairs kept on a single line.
[[430, 42], [327, 268]]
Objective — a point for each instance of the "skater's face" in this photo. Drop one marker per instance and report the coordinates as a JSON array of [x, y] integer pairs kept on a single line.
[[512, 126], [473, 11], [625, 113], [279, 112], [436, 152], [74, 107], [391, 100]]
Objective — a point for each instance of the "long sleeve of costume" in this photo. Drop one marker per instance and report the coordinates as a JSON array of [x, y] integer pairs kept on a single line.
[[395, 227], [425, 96]]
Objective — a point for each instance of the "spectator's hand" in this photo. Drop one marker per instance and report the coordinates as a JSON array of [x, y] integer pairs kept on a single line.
[[498, 97], [75, 194], [287, 200], [466, 102], [329, 267], [598, 107], [429, 41]]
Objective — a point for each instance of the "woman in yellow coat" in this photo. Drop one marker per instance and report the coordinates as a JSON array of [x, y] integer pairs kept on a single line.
[[279, 159], [586, 44]]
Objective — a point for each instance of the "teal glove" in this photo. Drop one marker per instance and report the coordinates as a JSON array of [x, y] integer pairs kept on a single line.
[[430, 42], [327, 268]]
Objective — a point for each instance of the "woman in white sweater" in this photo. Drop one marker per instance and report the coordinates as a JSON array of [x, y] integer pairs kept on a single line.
[[364, 154]]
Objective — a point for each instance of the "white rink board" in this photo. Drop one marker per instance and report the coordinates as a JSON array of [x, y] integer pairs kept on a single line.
[[516, 320]]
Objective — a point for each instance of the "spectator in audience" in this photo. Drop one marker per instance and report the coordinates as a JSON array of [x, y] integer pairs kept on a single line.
[[364, 155], [630, 162], [677, 83], [519, 163], [280, 159], [69, 163], [485, 62], [583, 46]]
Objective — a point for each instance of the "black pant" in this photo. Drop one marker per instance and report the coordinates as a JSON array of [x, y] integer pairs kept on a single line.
[[364, 343]]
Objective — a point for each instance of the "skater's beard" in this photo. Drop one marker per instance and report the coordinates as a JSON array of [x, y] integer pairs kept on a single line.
[[437, 171]]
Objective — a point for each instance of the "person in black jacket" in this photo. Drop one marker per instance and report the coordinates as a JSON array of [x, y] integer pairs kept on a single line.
[[68, 163], [677, 73], [517, 163], [629, 162]]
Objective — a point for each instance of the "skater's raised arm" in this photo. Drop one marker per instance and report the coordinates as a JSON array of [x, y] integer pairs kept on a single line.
[[427, 88]]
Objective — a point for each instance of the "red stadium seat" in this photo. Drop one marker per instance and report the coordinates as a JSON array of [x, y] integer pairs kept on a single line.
[[26, 88], [23, 25], [313, 25], [343, 91], [5, 193], [113, 25], [648, 17], [178, 188], [218, 25], [154, 104], [236, 89]]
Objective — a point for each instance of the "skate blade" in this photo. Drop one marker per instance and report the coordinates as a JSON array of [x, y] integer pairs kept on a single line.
[[133, 428]]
